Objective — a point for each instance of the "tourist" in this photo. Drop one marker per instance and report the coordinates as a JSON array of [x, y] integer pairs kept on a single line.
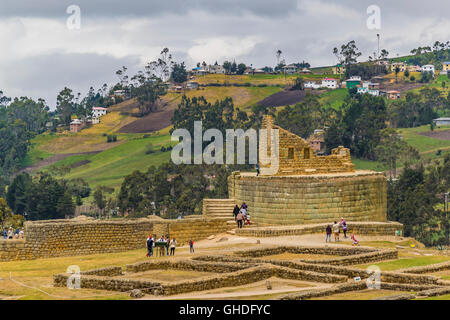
[[244, 206], [328, 230], [10, 233], [257, 169], [162, 244], [235, 211], [167, 245], [150, 246], [344, 227], [336, 231], [239, 219], [173, 244], [191, 246], [21, 234], [355, 242], [247, 218], [5, 234]]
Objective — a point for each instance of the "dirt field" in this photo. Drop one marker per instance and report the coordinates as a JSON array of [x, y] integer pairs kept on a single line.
[[402, 86], [152, 122], [284, 98], [442, 135]]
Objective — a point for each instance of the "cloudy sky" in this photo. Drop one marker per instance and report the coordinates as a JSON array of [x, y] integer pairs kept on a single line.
[[40, 54]]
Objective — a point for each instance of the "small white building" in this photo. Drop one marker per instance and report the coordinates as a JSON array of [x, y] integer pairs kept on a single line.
[[97, 112], [442, 121], [428, 68], [362, 90], [310, 84], [119, 93], [329, 83], [216, 69], [290, 69], [355, 78]]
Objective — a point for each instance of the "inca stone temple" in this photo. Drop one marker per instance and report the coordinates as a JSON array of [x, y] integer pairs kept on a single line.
[[308, 188]]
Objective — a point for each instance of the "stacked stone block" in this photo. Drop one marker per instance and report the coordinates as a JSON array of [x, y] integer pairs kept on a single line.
[[294, 200]]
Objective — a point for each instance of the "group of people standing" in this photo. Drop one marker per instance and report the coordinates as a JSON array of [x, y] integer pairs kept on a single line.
[[336, 230], [11, 234], [164, 244], [241, 215]]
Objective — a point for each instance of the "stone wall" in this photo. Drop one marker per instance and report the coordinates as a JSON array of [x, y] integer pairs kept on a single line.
[[307, 199], [196, 229], [358, 228], [56, 238], [296, 156]]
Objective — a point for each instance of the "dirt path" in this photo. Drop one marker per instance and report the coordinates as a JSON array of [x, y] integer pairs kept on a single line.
[[51, 160], [441, 135]]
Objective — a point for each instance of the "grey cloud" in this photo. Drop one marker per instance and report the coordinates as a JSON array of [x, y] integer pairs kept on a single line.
[[148, 8], [44, 76]]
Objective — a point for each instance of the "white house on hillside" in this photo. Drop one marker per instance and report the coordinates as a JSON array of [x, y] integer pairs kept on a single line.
[[97, 112], [329, 83], [290, 69], [217, 69], [312, 84], [428, 68]]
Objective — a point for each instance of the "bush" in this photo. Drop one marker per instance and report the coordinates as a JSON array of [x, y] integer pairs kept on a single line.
[[15, 221], [412, 78], [111, 138], [149, 149]]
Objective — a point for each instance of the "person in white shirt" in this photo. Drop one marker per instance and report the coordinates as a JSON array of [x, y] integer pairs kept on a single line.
[[336, 231], [173, 244]]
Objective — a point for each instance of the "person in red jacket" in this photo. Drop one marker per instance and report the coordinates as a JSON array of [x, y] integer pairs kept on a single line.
[[191, 246]]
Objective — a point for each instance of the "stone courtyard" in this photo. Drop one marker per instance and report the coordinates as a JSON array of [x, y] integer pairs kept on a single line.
[[286, 267]]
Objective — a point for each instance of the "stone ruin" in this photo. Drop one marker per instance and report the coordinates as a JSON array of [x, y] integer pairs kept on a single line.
[[297, 156]]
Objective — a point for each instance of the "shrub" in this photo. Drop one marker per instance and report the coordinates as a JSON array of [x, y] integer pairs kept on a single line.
[[149, 149]]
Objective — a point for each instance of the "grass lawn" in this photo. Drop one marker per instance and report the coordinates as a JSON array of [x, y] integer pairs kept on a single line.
[[243, 97], [423, 143], [334, 98], [256, 79], [108, 168], [39, 273], [407, 263]]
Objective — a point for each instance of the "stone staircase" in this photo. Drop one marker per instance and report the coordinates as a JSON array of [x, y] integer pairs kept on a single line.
[[222, 208], [219, 208]]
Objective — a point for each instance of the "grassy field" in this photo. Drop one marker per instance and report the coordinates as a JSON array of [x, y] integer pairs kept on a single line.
[[334, 98], [407, 263], [243, 97], [108, 168], [39, 274], [423, 143], [256, 79]]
